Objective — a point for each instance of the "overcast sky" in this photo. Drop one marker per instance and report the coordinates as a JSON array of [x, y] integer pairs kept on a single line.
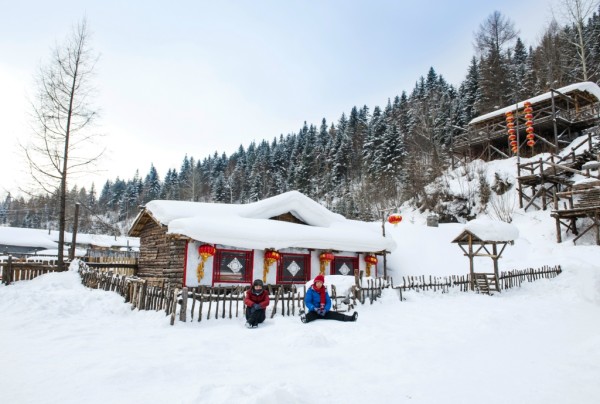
[[192, 77]]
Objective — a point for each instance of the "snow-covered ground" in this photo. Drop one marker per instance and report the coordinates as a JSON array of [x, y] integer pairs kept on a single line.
[[540, 343]]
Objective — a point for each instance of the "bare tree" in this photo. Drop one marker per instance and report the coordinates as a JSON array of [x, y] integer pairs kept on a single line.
[[577, 12], [494, 33], [61, 115]]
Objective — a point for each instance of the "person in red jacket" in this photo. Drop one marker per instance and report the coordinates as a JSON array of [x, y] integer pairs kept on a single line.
[[256, 300]]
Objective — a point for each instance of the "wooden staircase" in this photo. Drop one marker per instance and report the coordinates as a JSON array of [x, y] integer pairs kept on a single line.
[[486, 283]]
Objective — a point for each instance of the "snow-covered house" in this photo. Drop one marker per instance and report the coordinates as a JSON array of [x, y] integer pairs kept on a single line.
[[286, 239]]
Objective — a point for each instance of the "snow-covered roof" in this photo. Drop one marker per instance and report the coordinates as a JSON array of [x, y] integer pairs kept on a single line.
[[40, 238], [587, 86], [249, 225], [23, 237], [492, 230]]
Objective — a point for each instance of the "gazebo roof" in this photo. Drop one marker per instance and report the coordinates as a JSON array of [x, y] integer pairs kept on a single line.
[[487, 231]]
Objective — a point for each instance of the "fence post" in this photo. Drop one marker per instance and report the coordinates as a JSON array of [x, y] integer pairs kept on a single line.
[[9, 270]]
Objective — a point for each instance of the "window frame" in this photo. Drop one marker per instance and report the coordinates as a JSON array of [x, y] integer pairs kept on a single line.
[[333, 267], [218, 259], [307, 268]]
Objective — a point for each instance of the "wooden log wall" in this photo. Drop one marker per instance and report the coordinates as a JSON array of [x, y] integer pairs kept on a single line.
[[161, 257]]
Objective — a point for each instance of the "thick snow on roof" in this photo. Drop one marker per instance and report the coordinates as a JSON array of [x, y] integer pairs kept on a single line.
[[588, 86], [248, 226], [25, 237], [492, 230]]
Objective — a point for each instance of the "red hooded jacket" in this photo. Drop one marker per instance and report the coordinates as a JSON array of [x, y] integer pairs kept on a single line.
[[262, 299]]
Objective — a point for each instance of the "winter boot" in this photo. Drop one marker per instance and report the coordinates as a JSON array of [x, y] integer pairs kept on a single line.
[[302, 316], [354, 316], [248, 325]]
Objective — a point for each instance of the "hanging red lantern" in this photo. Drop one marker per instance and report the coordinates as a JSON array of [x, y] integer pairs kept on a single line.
[[512, 137], [530, 136], [513, 143], [530, 129], [529, 116], [510, 118], [528, 110], [529, 123], [395, 218], [510, 125], [205, 251], [370, 260], [527, 103], [270, 257], [325, 258], [530, 143], [508, 113], [512, 131]]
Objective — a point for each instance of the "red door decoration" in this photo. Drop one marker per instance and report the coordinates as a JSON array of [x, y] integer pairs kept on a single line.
[[325, 258], [271, 256], [205, 251], [370, 260]]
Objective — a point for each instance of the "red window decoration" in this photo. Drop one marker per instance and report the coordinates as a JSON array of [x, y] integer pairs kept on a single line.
[[233, 266], [293, 268], [271, 256], [204, 251], [325, 258], [370, 260], [345, 265]]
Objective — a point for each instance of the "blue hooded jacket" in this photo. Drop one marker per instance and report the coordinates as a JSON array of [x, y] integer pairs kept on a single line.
[[313, 300]]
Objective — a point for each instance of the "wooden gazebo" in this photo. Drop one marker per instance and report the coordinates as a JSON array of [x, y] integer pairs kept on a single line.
[[485, 238]]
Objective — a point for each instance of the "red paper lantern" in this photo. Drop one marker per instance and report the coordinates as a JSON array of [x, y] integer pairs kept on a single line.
[[371, 259], [512, 131], [528, 110], [530, 143], [513, 143], [529, 116], [326, 257], [529, 123], [206, 250], [530, 129], [395, 218], [510, 125], [530, 136], [272, 255], [527, 103], [512, 137], [508, 113], [510, 118]]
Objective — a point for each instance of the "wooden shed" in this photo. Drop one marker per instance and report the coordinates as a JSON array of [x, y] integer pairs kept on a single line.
[[286, 239]]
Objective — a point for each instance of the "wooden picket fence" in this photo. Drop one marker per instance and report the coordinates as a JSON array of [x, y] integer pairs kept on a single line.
[[13, 271], [507, 280]]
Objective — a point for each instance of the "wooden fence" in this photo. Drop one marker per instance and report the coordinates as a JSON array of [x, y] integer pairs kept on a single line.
[[507, 280], [15, 270]]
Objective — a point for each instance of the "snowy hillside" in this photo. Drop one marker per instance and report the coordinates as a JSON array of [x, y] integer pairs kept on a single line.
[[540, 343]]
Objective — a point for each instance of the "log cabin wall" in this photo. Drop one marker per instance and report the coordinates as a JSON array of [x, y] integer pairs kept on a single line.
[[161, 257]]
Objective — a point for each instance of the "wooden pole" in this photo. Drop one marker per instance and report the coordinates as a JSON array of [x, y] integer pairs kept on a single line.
[[74, 237]]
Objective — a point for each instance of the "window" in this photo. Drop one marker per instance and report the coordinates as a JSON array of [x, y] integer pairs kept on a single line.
[[345, 265], [293, 268], [233, 266]]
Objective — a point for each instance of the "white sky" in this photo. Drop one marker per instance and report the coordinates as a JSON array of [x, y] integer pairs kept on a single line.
[[195, 77]]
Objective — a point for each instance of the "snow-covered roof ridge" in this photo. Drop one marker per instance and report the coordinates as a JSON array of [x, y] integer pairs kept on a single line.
[[492, 230], [301, 206], [248, 226], [587, 86]]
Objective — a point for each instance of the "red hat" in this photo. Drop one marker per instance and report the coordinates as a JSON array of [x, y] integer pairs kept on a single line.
[[319, 278]]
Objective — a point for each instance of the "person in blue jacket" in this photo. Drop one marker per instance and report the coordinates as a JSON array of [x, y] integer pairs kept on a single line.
[[318, 304]]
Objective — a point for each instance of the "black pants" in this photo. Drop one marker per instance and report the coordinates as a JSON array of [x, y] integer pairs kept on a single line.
[[330, 315], [255, 317]]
